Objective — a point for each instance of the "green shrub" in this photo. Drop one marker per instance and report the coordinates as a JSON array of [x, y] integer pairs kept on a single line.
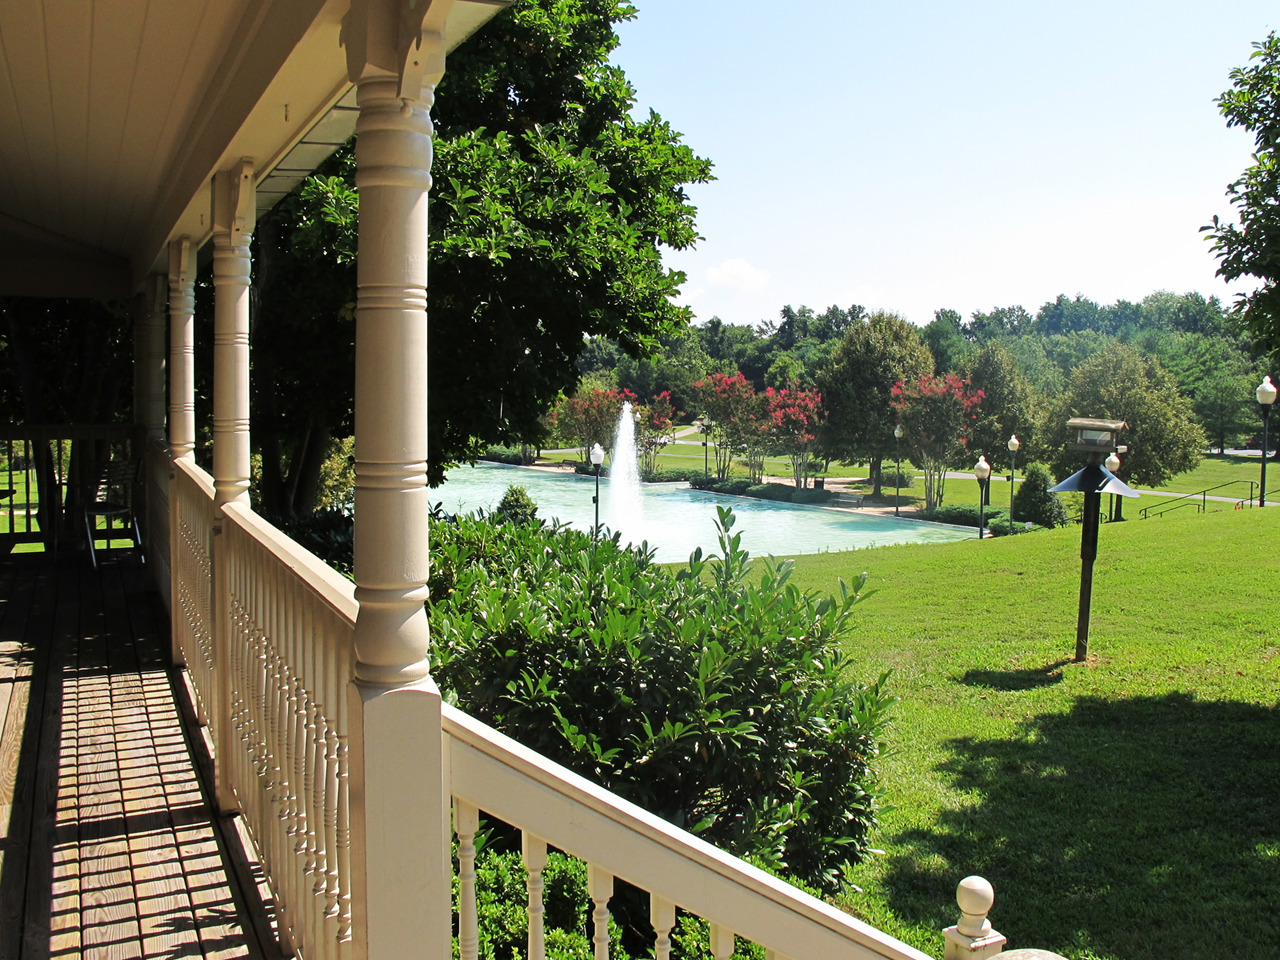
[[1034, 502], [516, 505], [1000, 527], [735, 488], [588, 469], [771, 491], [811, 496], [961, 514], [718, 702], [520, 456], [671, 475], [904, 480]]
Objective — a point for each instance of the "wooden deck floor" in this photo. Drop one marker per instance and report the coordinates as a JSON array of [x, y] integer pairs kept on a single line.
[[108, 844]]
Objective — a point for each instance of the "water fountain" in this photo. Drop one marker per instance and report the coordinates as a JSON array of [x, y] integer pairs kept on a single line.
[[625, 501]]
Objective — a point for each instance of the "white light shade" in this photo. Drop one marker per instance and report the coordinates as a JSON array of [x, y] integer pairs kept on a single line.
[[1266, 392], [982, 469], [1014, 443], [1113, 463], [597, 455], [897, 431]]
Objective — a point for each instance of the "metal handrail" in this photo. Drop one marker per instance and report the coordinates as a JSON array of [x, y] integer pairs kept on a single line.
[[1188, 499]]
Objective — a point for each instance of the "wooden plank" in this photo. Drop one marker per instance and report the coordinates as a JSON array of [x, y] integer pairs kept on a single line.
[[167, 922], [35, 596]]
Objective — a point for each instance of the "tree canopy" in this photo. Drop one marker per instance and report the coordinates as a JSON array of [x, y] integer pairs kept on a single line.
[[1249, 248], [549, 207]]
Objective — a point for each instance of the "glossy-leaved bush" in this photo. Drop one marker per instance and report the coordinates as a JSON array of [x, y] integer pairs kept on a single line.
[[714, 695]]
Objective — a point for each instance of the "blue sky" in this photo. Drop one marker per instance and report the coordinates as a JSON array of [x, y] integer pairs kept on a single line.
[[913, 156]]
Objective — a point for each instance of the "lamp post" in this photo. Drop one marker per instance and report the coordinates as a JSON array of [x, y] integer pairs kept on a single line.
[[897, 479], [1097, 438], [982, 470], [597, 458], [1113, 464], [704, 425], [1014, 444], [1266, 395]]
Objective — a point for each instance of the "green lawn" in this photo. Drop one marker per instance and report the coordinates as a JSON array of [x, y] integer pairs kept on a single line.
[[1128, 808]]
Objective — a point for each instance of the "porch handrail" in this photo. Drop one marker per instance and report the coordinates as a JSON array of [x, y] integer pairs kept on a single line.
[[491, 772], [1188, 499], [191, 516]]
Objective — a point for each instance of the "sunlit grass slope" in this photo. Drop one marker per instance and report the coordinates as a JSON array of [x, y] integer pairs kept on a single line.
[[1126, 808]]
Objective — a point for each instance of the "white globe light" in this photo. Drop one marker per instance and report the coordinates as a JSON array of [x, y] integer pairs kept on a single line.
[[982, 469], [1266, 392], [1113, 463], [897, 431], [597, 455], [1014, 443]]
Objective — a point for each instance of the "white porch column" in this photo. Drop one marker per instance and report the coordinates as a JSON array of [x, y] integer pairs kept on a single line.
[[233, 214], [182, 349], [399, 791], [153, 400]]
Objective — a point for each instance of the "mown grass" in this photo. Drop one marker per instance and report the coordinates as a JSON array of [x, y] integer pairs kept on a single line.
[[1124, 809]]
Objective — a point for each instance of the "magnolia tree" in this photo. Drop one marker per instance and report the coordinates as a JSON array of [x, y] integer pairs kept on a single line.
[[653, 429], [738, 420], [936, 416], [591, 418], [794, 418]]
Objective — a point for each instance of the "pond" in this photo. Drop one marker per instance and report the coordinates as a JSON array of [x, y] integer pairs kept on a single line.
[[675, 519]]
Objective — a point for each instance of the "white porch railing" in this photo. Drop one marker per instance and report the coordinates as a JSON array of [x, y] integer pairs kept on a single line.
[[158, 466], [191, 516], [279, 713]]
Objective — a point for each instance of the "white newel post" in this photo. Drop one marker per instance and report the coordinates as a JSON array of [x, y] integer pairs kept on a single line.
[[233, 209], [972, 938], [401, 865], [182, 349]]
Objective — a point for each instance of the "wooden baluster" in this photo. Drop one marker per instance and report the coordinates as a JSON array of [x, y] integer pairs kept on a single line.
[[721, 941], [466, 821], [534, 851], [662, 914], [344, 839], [601, 886]]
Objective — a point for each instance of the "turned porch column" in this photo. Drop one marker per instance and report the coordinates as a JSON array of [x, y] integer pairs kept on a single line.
[[234, 207], [401, 863], [182, 349], [152, 414]]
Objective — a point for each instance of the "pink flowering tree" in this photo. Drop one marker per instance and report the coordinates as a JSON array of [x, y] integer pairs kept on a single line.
[[936, 414], [794, 418], [653, 429], [738, 421]]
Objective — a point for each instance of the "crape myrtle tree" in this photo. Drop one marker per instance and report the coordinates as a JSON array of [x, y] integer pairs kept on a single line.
[[937, 415], [1121, 384], [856, 384], [591, 418], [1249, 248], [550, 204], [795, 416], [735, 412]]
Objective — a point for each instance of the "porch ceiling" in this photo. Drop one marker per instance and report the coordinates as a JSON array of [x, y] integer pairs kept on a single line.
[[115, 114]]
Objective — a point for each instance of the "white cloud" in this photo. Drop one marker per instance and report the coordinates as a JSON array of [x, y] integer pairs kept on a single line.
[[739, 275]]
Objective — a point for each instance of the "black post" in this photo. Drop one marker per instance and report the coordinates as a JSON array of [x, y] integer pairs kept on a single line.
[[1088, 553], [1013, 482], [706, 470], [1262, 491], [982, 511], [596, 500]]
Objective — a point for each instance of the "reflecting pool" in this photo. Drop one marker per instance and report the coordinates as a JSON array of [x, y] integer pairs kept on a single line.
[[674, 519]]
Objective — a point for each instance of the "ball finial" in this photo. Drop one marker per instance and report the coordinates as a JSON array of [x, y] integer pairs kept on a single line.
[[974, 896]]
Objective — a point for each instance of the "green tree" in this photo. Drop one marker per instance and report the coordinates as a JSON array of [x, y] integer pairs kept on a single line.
[[551, 203], [945, 340], [1248, 248], [1119, 383], [1224, 404], [1007, 405], [856, 386], [1000, 322], [936, 416]]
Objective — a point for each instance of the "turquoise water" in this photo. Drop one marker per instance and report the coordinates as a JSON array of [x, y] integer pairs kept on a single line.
[[674, 519]]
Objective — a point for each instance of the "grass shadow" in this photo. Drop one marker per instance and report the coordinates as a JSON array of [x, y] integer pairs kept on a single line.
[[1119, 830], [1012, 680]]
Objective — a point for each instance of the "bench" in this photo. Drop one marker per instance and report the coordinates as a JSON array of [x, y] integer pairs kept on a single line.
[[847, 500]]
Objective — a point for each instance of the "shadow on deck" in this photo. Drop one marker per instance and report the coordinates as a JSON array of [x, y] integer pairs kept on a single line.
[[108, 842]]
